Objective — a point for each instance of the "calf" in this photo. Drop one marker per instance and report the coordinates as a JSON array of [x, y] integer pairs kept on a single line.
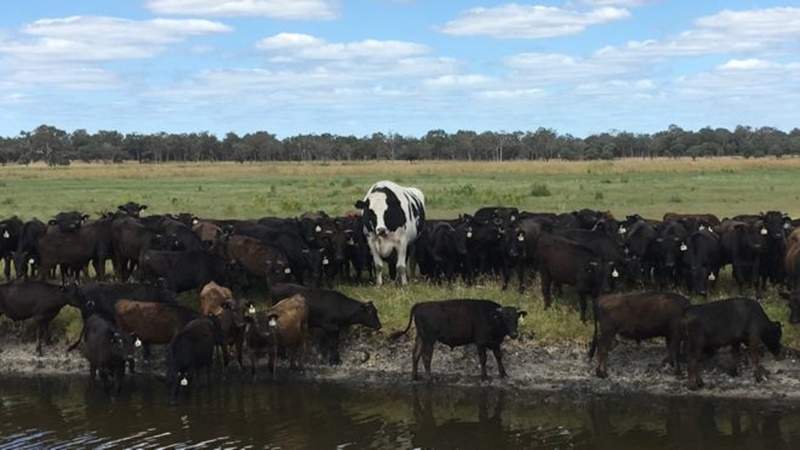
[[190, 351], [461, 322], [283, 326], [22, 300], [710, 326], [637, 316], [10, 230], [218, 301], [332, 312], [562, 261], [107, 350], [26, 257]]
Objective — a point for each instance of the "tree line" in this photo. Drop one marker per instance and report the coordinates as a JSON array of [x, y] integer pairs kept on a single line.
[[58, 147]]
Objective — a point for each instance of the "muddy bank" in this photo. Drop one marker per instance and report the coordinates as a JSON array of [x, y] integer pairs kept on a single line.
[[633, 369]]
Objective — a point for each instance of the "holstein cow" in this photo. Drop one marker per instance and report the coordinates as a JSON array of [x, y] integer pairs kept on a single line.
[[393, 218]]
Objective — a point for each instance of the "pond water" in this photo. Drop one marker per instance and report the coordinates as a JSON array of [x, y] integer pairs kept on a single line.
[[64, 412]]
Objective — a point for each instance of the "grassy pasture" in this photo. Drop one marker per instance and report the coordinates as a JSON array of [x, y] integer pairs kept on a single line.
[[724, 186]]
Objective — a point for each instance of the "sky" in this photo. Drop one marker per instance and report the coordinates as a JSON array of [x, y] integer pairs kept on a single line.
[[400, 66]]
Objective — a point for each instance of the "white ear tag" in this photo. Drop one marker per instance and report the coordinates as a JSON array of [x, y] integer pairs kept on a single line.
[[138, 343], [325, 261], [469, 234], [521, 319], [6, 235], [615, 274], [31, 261], [351, 242], [786, 226], [318, 229], [764, 231], [184, 382], [287, 270], [195, 221], [684, 247], [521, 238], [251, 310], [623, 230], [273, 323], [702, 227], [711, 277]]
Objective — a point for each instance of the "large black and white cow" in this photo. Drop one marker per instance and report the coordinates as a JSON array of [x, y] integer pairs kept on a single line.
[[393, 217]]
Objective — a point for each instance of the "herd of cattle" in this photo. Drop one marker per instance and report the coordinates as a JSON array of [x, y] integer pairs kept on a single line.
[[155, 257]]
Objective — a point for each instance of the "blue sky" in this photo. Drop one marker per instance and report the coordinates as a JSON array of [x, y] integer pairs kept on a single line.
[[406, 66]]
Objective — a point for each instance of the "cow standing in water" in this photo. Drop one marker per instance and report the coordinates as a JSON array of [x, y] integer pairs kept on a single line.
[[393, 216]]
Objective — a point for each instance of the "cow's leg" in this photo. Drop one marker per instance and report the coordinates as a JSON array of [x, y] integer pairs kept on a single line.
[[417, 353], [427, 356], [92, 373], [40, 332], [402, 274], [378, 264], [603, 348], [673, 351], [7, 267], [753, 346], [482, 359], [333, 348], [582, 302], [694, 353], [521, 266], [546, 287], [498, 356]]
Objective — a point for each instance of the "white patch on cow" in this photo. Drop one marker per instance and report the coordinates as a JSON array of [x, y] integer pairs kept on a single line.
[[702, 227], [710, 230], [251, 310], [764, 232], [195, 221], [273, 323], [325, 261], [318, 229], [6, 235], [521, 319], [287, 270], [138, 343], [521, 238], [513, 218], [684, 247], [615, 273], [184, 382], [787, 225], [31, 261], [711, 277], [351, 242], [469, 234], [623, 230]]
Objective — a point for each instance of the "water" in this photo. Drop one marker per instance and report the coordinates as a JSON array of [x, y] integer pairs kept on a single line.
[[62, 412]]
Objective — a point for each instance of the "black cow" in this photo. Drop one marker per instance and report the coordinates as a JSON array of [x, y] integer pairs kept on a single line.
[[73, 250], [69, 221], [637, 316], [521, 245], [183, 271], [190, 351], [498, 215], [639, 240], [21, 300], [10, 230], [357, 252], [607, 248], [702, 260], [774, 226], [332, 312], [669, 247], [107, 350], [132, 209], [730, 322], [488, 248], [443, 247], [741, 246], [26, 257], [461, 322], [562, 261]]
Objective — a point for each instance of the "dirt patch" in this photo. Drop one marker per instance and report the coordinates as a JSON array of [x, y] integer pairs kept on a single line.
[[633, 369]]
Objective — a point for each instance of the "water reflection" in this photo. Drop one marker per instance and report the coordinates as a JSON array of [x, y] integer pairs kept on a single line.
[[44, 412]]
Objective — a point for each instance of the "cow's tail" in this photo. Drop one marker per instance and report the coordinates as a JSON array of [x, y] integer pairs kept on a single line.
[[593, 345], [396, 335], [80, 338]]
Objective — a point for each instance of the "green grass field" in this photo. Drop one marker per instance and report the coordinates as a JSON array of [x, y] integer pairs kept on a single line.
[[725, 186]]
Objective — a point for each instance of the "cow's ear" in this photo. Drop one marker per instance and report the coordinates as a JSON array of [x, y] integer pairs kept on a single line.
[[778, 324], [121, 207], [84, 217], [522, 313], [785, 295], [362, 204], [142, 207], [51, 222]]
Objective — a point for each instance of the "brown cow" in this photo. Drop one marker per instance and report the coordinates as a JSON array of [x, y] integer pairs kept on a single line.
[[637, 316], [792, 260], [150, 322], [284, 325], [218, 301], [258, 258], [206, 231]]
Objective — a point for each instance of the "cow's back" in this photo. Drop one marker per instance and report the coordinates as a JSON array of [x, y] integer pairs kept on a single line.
[[154, 323], [453, 322]]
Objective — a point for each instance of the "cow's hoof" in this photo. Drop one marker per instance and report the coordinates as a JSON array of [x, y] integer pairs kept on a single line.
[[601, 374], [760, 374]]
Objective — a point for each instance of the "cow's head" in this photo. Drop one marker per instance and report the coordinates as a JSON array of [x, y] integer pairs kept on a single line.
[[367, 314], [382, 212], [69, 221], [277, 266], [775, 225], [22, 261], [771, 337], [132, 209], [793, 299], [510, 318]]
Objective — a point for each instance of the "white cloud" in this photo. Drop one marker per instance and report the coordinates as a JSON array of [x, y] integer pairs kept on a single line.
[[529, 21], [624, 3], [279, 9], [292, 46], [456, 81], [91, 38], [510, 94], [746, 64]]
